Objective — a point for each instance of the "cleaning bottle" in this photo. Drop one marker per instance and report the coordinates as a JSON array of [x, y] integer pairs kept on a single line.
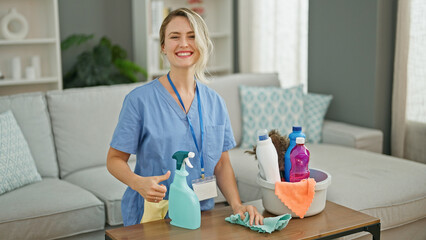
[[184, 206], [268, 157], [297, 132], [299, 158]]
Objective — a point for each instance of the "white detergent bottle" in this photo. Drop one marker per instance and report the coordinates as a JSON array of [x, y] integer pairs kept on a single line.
[[268, 157]]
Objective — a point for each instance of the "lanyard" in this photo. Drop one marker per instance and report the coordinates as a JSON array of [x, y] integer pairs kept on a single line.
[[189, 121]]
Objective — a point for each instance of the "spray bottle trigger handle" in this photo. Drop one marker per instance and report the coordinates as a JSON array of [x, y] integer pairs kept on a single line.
[[188, 163]]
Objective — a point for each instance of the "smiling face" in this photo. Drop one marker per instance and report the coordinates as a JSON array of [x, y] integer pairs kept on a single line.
[[179, 43]]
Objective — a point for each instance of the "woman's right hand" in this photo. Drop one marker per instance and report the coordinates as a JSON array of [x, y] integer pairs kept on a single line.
[[149, 188]]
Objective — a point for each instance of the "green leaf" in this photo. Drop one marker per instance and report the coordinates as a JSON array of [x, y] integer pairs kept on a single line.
[[102, 55], [118, 53], [105, 41], [75, 39], [128, 66]]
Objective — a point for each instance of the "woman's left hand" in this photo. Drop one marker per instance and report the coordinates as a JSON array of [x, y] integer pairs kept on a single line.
[[253, 213]]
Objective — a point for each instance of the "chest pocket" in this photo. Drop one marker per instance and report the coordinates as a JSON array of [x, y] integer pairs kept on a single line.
[[215, 136]]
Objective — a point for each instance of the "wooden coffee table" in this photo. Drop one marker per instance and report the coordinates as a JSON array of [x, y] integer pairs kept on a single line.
[[335, 221]]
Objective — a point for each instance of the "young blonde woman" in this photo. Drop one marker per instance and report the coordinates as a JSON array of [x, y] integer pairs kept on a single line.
[[172, 113]]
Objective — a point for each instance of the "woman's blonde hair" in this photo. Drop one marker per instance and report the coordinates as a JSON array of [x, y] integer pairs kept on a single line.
[[202, 39]]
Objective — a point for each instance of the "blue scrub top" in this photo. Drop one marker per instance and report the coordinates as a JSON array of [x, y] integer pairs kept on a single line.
[[153, 126]]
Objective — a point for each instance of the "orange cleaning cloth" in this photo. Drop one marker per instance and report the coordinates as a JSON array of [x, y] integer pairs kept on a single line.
[[297, 196]]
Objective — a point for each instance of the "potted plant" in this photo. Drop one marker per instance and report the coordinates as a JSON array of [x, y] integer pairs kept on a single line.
[[105, 64]]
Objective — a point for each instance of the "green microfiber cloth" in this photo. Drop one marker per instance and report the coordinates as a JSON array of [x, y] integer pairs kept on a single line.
[[270, 224]]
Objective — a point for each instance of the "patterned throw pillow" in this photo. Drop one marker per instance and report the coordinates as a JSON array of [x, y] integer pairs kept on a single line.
[[17, 167], [270, 108], [315, 108]]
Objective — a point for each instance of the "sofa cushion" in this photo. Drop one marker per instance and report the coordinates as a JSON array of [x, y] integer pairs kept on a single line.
[[83, 121], [227, 88], [17, 167], [270, 108], [49, 209], [315, 107], [386, 187], [392, 189], [103, 185], [349, 135], [30, 111]]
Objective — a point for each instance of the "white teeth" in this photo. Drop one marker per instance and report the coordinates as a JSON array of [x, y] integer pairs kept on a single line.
[[184, 54]]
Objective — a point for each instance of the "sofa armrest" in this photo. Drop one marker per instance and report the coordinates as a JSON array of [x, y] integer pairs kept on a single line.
[[352, 136]]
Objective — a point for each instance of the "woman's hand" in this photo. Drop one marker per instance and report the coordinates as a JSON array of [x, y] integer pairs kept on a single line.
[[226, 181], [149, 188], [253, 213]]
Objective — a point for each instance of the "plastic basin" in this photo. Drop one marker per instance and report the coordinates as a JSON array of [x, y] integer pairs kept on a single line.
[[274, 205]]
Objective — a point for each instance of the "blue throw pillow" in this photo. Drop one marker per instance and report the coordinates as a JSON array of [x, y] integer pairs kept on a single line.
[[315, 108], [17, 166], [270, 108]]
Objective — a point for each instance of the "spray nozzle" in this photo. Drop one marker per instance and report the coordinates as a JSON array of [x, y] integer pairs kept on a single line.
[[181, 158]]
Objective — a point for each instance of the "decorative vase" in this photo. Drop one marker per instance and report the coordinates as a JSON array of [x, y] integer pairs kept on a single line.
[[16, 68], [13, 26], [35, 63], [30, 73]]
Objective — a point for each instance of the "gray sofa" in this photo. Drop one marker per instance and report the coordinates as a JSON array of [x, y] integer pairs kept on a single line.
[[68, 133], [363, 179]]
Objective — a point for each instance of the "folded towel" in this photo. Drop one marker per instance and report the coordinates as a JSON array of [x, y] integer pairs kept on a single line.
[[297, 196], [270, 224]]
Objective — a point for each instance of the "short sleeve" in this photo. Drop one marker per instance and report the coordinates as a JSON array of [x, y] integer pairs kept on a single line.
[[128, 130], [229, 140]]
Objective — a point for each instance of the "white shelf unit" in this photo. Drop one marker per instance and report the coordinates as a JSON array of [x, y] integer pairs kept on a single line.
[[42, 40], [218, 17]]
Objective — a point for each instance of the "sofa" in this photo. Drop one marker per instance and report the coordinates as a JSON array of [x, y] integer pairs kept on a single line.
[[68, 133], [363, 178]]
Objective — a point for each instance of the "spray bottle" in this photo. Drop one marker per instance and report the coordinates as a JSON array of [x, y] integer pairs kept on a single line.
[[184, 206]]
